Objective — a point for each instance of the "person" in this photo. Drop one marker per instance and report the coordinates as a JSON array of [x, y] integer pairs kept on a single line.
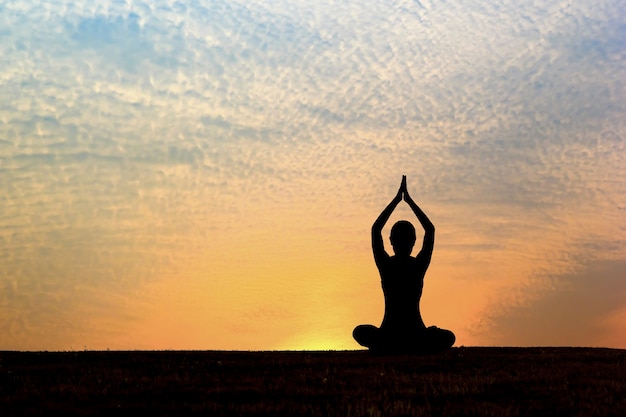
[[402, 278]]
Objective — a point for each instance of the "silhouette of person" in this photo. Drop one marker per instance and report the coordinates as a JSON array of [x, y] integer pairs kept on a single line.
[[402, 279]]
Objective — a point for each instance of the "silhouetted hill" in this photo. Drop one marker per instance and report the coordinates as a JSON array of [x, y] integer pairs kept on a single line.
[[474, 381]]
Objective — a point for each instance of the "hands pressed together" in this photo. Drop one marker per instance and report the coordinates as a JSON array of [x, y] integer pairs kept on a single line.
[[403, 193]]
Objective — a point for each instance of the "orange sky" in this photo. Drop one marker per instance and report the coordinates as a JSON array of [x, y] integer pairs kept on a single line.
[[205, 176]]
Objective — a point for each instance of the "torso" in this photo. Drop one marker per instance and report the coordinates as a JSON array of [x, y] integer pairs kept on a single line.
[[402, 281]]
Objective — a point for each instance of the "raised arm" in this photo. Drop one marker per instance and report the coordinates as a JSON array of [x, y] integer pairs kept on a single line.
[[429, 229], [377, 237]]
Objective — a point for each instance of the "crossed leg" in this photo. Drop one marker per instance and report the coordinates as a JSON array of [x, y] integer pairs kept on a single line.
[[431, 340]]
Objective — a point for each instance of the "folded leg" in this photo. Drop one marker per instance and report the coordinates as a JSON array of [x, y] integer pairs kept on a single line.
[[436, 340], [367, 335]]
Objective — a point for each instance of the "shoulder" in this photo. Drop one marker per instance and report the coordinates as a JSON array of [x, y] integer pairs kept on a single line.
[[404, 261]]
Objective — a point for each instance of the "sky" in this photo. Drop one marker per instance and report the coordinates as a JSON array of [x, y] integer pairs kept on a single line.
[[205, 174]]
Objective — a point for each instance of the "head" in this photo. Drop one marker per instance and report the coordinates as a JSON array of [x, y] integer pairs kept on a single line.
[[402, 237]]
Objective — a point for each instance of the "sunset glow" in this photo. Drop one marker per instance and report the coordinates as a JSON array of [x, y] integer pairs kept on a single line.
[[204, 175]]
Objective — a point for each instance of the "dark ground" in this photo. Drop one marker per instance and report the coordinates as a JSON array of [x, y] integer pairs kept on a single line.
[[461, 382]]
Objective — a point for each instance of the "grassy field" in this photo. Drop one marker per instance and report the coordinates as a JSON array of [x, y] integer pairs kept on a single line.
[[461, 382]]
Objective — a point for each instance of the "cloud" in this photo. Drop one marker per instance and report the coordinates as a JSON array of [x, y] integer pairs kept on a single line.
[[134, 135], [573, 310]]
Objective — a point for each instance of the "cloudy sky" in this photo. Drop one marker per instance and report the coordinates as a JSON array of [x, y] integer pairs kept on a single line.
[[204, 174]]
